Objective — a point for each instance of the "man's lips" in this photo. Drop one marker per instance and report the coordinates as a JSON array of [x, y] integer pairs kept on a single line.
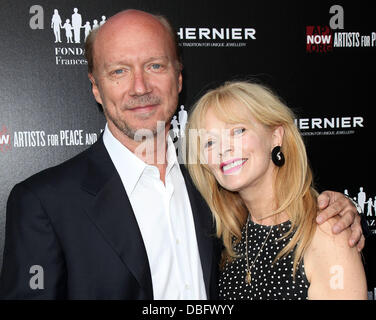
[[232, 165], [143, 109]]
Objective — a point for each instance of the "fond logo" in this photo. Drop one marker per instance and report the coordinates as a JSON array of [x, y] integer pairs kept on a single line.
[[73, 27], [68, 33]]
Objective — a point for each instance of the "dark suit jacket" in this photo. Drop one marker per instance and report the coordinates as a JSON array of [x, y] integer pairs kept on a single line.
[[76, 222]]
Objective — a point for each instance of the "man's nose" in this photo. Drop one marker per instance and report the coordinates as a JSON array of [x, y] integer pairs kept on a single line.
[[140, 84]]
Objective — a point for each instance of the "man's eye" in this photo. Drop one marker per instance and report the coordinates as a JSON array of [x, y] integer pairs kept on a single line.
[[156, 66], [119, 71]]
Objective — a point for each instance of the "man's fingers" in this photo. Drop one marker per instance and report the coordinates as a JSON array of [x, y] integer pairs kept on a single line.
[[356, 232], [361, 243], [334, 209], [323, 199], [345, 221]]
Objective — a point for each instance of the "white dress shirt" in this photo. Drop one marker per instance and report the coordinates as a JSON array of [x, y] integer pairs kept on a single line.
[[164, 216]]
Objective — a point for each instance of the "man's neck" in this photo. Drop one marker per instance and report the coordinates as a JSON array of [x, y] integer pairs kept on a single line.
[[152, 151]]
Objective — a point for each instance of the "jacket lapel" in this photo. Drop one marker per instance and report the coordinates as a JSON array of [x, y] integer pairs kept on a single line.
[[113, 215]]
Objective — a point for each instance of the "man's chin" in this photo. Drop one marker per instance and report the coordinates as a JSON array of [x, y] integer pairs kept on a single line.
[[148, 132]]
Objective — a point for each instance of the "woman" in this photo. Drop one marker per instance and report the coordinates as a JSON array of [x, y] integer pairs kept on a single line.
[[56, 25], [249, 162]]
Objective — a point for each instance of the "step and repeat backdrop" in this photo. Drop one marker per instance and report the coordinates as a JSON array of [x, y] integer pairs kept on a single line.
[[318, 56]]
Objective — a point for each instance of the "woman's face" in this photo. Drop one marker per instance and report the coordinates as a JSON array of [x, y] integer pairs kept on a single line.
[[239, 155]]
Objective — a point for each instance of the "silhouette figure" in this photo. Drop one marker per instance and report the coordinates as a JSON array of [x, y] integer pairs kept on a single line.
[[183, 116], [95, 24], [76, 23], [103, 21], [361, 198], [87, 28], [175, 127], [56, 25], [369, 207], [68, 31]]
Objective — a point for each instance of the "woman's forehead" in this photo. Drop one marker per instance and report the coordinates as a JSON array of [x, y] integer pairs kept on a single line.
[[230, 111]]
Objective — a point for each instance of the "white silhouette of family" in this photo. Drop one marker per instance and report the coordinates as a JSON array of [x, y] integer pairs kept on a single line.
[[178, 125], [368, 206], [73, 26]]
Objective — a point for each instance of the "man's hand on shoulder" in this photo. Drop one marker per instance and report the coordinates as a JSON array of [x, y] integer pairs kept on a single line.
[[335, 204]]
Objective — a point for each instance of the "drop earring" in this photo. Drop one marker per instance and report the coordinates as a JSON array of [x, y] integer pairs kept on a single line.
[[278, 157]]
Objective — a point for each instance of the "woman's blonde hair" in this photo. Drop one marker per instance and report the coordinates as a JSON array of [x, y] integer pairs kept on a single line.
[[293, 188]]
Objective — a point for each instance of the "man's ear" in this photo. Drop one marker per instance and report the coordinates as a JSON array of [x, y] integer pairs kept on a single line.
[[180, 81], [94, 88], [278, 134]]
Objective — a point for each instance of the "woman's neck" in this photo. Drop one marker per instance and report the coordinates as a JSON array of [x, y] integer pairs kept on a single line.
[[261, 204]]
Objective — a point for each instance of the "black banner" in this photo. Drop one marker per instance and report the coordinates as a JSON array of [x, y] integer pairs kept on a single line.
[[319, 57]]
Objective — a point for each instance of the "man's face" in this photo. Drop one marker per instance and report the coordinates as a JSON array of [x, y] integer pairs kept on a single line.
[[135, 76]]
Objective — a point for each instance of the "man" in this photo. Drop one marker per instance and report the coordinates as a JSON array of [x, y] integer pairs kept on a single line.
[[116, 221], [76, 24], [183, 118]]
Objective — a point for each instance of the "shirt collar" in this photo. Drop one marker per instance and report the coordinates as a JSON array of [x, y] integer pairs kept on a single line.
[[128, 165], [172, 159]]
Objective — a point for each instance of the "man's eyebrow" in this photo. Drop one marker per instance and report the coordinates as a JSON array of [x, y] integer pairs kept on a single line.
[[114, 64], [151, 59], [124, 62]]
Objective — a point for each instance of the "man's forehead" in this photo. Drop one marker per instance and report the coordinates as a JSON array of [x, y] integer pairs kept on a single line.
[[130, 21], [132, 38]]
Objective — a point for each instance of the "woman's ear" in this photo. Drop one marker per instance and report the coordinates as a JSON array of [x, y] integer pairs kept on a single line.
[[277, 136]]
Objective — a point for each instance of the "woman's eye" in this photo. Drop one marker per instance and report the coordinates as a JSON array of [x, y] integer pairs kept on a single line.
[[208, 144], [238, 131]]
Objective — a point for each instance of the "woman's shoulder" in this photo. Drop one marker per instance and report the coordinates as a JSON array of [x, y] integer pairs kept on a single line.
[[329, 262], [327, 249]]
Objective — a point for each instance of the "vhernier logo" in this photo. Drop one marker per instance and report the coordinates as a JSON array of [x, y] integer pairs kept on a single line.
[[71, 30], [215, 37], [329, 126]]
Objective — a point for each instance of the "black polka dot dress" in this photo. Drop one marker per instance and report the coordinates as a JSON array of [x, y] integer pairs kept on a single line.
[[268, 281]]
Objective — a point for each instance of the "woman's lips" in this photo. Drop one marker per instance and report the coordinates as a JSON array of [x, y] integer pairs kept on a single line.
[[231, 166]]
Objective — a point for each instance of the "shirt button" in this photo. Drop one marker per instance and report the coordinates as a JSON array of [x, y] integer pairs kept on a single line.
[[177, 241], [187, 287]]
